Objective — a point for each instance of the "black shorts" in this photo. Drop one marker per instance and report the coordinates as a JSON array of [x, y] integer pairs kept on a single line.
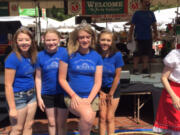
[[116, 93], [144, 48], [52, 101]]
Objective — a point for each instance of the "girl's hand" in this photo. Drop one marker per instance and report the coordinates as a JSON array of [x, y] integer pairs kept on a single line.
[[176, 102], [109, 99], [13, 116], [13, 113], [75, 101], [41, 104], [86, 101], [103, 98]]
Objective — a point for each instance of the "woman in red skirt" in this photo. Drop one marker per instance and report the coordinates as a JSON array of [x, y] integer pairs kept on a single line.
[[168, 114]]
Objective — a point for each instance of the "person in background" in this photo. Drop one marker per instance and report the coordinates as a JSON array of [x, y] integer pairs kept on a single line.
[[83, 68], [142, 23], [168, 113], [19, 82], [50, 95], [110, 93]]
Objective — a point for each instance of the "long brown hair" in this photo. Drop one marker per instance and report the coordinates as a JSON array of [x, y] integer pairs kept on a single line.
[[113, 49], [73, 44], [32, 52]]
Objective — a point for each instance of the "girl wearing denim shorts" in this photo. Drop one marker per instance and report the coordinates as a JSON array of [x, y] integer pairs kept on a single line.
[[19, 82], [50, 95]]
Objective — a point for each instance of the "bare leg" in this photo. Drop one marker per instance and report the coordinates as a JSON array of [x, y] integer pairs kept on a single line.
[[103, 114], [135, 62], [50, 112], [31, 110], [111, 115], [145, 62], [18, 124], [61, 116], [87, 116], [86, 122]]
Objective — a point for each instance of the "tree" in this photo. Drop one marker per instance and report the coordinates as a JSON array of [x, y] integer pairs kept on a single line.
[[57, 13]]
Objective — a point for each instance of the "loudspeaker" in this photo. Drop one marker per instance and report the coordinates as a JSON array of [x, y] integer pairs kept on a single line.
[[79, 19]]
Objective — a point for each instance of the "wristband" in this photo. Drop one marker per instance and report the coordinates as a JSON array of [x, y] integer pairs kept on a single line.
[[73, 95]]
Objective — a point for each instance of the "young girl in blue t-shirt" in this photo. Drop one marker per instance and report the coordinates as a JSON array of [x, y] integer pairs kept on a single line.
[[19, 82], [109, 94], [50, 95], [80, 75]]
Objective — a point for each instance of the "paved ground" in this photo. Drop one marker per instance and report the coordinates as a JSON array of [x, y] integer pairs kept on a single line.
[[122, 124], [124, 120]]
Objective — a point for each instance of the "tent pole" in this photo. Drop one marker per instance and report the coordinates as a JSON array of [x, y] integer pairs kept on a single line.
[[38, 27], [39, 24]]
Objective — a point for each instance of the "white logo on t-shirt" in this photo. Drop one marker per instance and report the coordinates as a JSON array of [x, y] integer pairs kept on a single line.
[[84, 66]]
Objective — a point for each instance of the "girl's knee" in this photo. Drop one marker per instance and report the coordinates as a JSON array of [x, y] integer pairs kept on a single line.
[[29, 124], [17, 130], [110, 118], [51, 123], [88, 117], [102, 118]]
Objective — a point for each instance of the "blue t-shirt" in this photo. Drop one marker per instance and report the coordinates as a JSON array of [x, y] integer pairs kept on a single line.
[[109, 68], [81, 71], [143, 21], [24, 76], [49, 64]]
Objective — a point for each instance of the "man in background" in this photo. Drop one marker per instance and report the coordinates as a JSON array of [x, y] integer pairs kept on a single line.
[[142, 23]]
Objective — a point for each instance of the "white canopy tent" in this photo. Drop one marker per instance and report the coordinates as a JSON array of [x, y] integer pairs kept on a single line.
[[113, 26], [69, 24], [28, 21], [49, 23], [165, 16], [25, 20], [65, 29]]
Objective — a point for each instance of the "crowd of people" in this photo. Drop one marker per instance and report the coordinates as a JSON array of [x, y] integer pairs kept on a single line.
[[83, 78]]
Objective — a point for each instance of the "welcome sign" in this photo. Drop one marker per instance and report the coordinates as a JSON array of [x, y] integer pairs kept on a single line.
[[104, 10], [97, 7]]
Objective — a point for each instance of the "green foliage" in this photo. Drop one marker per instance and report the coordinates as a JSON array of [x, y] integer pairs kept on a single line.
[[57, 13], [161, 6]]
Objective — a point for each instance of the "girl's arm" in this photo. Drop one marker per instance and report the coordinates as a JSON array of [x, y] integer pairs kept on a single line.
[[38, 83], [115, 81], [97, 83], [164, 78], [9, 79], [62, 79], [75, 99]]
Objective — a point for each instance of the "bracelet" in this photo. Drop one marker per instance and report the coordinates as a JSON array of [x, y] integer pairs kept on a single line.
[[73, 95]]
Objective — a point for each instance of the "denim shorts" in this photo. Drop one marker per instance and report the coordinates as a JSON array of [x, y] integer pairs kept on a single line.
[[22, 99]]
